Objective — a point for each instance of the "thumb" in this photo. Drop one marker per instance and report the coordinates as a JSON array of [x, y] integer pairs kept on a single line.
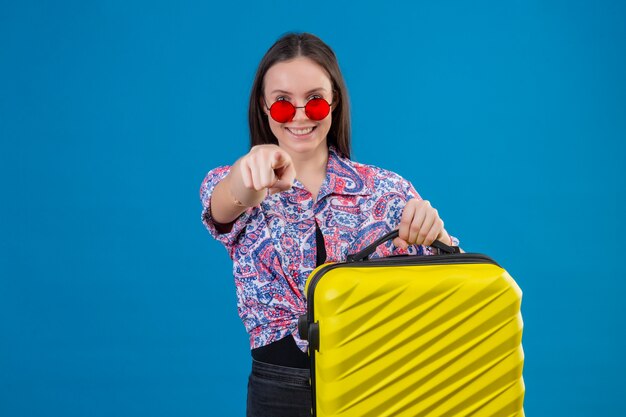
[[285, 182], [278, 160], [279, 185], [285, 175], [400, 243]]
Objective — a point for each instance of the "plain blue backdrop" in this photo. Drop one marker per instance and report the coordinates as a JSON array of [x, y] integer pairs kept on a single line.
[[115, 301]]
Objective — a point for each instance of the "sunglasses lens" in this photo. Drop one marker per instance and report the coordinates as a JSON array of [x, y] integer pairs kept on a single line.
[[317, 109], [282, 111]]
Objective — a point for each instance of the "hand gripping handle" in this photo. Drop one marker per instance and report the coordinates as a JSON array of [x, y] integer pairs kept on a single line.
[[366, 252]]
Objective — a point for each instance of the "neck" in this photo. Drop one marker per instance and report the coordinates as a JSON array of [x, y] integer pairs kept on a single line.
[[311, 164]]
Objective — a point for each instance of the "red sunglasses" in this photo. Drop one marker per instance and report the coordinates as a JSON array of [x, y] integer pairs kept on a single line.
[[283, 111]]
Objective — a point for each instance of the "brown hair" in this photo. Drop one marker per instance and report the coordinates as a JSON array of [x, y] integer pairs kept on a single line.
[[289, 46]]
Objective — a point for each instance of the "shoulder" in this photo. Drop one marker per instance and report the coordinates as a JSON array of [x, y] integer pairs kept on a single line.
[[375, 171], [369, 176], [380, 179]]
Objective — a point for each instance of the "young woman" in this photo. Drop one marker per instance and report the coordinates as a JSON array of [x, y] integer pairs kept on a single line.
[[294, 191]]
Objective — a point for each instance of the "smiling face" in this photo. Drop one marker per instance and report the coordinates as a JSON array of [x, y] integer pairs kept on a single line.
[[298, 81]]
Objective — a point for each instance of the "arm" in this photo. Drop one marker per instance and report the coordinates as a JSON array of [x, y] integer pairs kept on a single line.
[[266, 168], [229, 195]]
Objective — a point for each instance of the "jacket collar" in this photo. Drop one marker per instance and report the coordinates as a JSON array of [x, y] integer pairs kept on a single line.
[[343, 177]]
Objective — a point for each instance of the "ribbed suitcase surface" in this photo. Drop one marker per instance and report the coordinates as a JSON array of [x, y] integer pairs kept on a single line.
[[416, 336]]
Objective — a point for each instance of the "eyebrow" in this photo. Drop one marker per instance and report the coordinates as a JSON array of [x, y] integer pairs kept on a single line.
[[308, 92]]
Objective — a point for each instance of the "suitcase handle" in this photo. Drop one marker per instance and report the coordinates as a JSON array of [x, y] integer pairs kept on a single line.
[[365, 253]]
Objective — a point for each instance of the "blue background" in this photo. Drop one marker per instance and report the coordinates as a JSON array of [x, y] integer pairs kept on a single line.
[[114, 300]]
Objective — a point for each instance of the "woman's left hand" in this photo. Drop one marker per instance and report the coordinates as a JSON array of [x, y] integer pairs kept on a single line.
[[421, 225]]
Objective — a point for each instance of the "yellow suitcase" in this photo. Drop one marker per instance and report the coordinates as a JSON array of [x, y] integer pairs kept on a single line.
[[412, 336]]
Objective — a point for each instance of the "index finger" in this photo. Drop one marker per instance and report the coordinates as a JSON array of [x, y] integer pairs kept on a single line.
[[405, 221]]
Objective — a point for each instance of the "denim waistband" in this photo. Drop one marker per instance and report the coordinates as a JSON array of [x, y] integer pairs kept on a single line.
[[298, 376]]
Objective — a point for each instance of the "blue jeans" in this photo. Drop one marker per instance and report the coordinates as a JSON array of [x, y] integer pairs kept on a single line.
[[278, 391]]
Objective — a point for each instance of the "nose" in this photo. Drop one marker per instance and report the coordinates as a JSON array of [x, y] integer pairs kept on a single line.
[[300, 113]]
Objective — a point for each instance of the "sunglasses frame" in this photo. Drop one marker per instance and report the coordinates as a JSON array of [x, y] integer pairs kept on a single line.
[[298, 107]]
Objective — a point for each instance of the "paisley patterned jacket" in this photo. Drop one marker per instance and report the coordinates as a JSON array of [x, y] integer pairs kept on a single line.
[[273, 245]]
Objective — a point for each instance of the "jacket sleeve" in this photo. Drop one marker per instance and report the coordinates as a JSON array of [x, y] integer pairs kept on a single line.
[[230, 238]]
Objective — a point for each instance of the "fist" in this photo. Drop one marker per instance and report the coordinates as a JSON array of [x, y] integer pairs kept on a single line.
[[267, 167], [421, 225]]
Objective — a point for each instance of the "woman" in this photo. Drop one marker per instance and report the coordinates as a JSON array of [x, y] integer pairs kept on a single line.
[[294, 191]]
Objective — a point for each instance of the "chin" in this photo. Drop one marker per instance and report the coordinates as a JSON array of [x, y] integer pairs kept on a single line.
[[302, 146]]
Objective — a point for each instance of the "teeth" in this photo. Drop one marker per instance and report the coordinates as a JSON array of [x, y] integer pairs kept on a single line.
[[301, 131]]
